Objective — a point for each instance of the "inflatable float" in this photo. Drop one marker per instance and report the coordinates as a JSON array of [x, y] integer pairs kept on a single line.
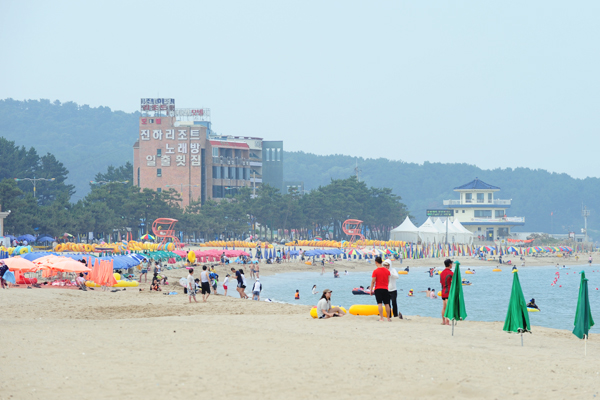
[[361, 291], [466, 283], [364, 309], [119, 284], [313, 311], [496, 270], [440, 293], [469, 272], [533, 309], [402, 272]]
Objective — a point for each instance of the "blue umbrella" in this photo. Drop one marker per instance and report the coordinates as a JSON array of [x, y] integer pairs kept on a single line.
[[44, 239], [28, 237]]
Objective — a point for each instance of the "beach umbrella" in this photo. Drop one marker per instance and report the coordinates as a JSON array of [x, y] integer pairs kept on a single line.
[[147, 237], [455, 310], [28, 237], [21, 264], [517, 316], [583, 315], [44, 239]]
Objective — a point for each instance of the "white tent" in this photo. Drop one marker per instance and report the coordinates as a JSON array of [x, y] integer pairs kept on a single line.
[[406, 232], [428, 232], [441, 228], [455, 235], [468, 235]]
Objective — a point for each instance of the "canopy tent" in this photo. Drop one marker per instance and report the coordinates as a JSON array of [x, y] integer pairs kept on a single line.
[[428, 232], [455, 235], [44, 239], [468, 235], [405, 232], [441, 228]]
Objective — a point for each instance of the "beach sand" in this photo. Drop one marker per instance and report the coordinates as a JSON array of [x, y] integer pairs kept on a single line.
[[59, 344]]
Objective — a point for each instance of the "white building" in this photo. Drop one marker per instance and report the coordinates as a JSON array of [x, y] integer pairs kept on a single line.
[[481, 213]]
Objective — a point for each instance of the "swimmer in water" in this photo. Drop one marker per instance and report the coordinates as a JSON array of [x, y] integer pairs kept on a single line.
[[410, 293], [314, 289], [297, 295]]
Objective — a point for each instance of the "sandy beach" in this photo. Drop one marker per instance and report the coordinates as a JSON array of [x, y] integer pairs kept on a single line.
[[59, 343]]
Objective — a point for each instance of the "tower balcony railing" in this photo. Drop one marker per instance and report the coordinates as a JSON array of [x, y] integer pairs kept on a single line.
[[494, 202], [231, 161]]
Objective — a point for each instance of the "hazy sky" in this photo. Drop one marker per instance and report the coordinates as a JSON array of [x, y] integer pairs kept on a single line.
[[495, 84]]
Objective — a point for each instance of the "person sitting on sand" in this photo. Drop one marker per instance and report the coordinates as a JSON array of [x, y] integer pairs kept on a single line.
[[532, 304], [155, 283], [324, 309], [80, 281]]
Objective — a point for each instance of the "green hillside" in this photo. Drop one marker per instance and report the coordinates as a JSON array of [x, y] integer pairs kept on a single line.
[[87, 140], [535, 193]]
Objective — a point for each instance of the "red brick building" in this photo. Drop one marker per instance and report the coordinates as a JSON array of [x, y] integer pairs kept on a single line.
[[175, 153]]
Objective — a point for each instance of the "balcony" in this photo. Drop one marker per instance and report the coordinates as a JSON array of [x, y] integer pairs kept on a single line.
[[495, 202], [241, 162], [519, 220]]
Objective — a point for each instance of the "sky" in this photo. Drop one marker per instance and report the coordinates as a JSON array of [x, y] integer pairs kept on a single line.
[[494, 84]]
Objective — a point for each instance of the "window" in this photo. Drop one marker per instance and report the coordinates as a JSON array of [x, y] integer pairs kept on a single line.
[[159, 172], [215, 172], [499, 214], [159, 190], [463, 211], [215, 152], [480, 197], [158, 152], [278, 154], [483, 213], [267, 151], [468, 197], [138, 176], [489, 197]]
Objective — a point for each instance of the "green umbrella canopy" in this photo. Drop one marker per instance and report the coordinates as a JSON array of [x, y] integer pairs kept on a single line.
[[583, 315], [517, 317], [455, 309]]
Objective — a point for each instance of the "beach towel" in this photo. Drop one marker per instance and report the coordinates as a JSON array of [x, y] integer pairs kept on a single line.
[[9, 277]]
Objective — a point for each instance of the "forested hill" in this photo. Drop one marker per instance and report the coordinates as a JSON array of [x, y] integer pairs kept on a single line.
[[86, 140], [535, 194]]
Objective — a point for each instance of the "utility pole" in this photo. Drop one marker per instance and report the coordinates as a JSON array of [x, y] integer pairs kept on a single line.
[[585, 213]]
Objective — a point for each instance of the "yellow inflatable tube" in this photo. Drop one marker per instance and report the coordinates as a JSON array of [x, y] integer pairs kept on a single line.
[[402, 272], [496, 270], [468, 272], [313, 311], [364, 309], [119, 284], [532, 309]]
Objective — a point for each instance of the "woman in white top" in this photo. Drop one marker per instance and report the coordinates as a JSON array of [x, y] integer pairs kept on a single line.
[[392, 287]]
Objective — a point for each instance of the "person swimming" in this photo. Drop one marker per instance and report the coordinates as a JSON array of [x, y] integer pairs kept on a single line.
[[297, 295], [532, 304], [411, 293], [314, 289], [336, 273]]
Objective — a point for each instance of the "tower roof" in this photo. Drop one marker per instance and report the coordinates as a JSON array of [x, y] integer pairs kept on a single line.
[[477, 185]]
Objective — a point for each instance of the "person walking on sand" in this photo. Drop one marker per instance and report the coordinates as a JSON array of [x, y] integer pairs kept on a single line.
[[379, 284], [205, 282], [225, 283], [256, 289], [392, 288], [144, 271], [446, 281], [191, 285]]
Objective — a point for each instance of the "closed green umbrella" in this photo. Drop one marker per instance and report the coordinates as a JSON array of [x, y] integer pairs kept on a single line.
[[583, 315], [455, 310], [517, 316]]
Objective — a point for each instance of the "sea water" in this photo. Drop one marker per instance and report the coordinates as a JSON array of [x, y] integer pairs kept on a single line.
[[485, 300]]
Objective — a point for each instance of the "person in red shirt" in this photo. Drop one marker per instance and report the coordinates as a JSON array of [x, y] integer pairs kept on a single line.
[[379, 287], [446, 281]]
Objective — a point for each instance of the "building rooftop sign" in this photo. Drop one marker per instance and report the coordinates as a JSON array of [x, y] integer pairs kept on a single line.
[[157, 105], [193, 114]]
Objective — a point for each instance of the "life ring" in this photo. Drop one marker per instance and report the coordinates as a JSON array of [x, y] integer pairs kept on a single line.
[[469, 272], [496, 270], [402, 272], [365, 309], [360, 291], [533, 309], [119, 284], [313, 311]]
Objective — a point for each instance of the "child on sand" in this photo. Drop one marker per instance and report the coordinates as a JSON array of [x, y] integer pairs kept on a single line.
[[225, 283]]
